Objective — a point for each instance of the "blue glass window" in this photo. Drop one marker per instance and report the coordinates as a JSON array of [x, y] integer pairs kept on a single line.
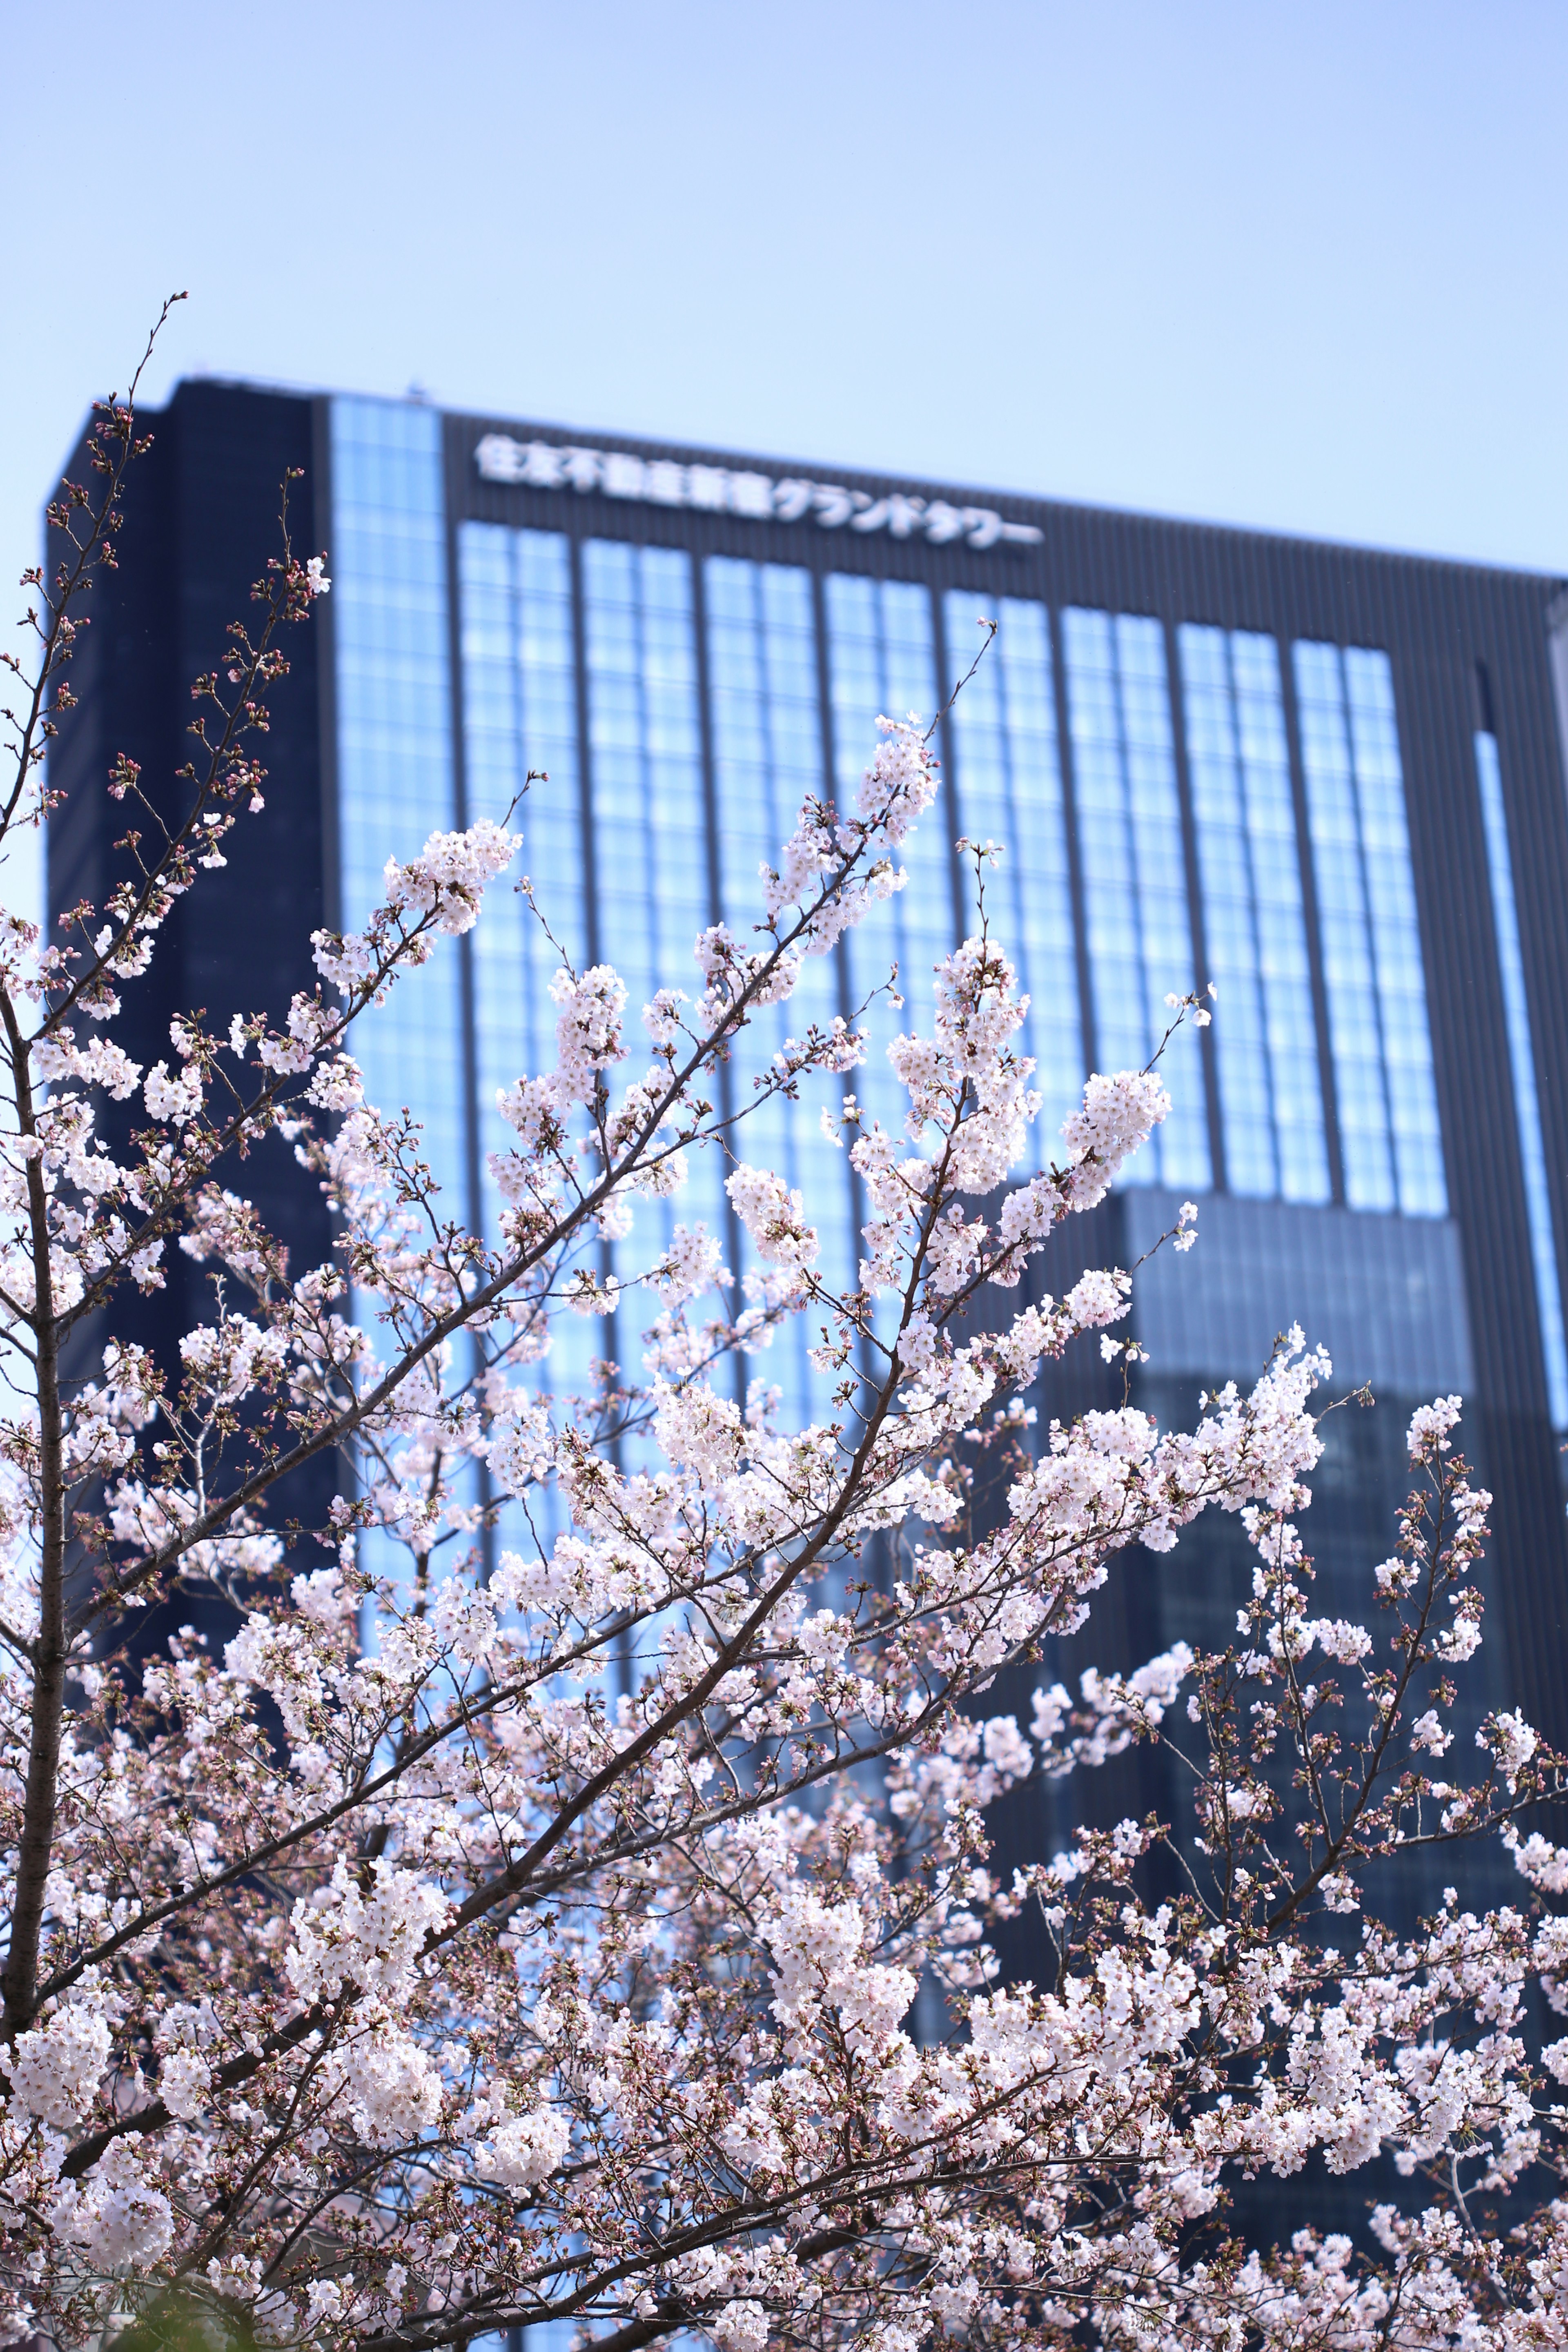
[[1389, 1135], [1522, 1058], [520, 714], [767, 753], [1007, 769], [520, 710], [394, 742], [388, 551], [650, 830], [1254, 933], [882, 662], [1134, 873]]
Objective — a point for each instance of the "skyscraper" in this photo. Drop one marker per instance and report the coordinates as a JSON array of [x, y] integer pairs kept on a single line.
[[1327, 780]]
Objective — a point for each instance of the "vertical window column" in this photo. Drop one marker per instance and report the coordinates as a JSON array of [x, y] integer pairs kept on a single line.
[[1521, 1059], [1009, 781], [396, 783], [520, 717], [395, 745], [882, 664], [650, 851], [1389, 1140], [1254, 926], [1129, 847], [767, 752], [520, 714]]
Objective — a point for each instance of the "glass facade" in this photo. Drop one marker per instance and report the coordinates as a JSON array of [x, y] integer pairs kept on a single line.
[[1195, 776], [1255, 932], [650, 823], [395, 742], [521, 757], [1521, 1061], [1377, 989], [718, 692], [395, 780], [1134, 873], [882, 664], [766, 692], [520, 741], [1007, 762]]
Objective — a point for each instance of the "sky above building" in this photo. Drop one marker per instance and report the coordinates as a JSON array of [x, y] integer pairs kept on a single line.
[[1297, 267]]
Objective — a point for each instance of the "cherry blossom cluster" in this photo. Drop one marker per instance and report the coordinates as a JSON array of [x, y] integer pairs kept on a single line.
[[565, 1892]]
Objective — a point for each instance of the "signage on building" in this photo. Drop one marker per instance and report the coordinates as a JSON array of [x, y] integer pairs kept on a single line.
[[719, 490]]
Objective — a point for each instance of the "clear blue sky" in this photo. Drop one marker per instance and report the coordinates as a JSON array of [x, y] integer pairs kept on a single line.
[[1299, 266]]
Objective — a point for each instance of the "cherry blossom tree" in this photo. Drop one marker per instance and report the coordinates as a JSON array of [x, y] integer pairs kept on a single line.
[[474, 1943]]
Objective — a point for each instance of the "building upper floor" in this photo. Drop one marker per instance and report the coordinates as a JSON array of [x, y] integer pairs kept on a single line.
[[1326, 781]]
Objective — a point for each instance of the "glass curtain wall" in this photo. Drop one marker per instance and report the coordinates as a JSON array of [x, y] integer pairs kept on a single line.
[[1389, 1135], [659, 861], [394, 767], [519, 716], [1134, 874], [766, 723], [394, 742], [650, 821], [1007, 770], [882, 663], [1521, 1059], [1255, 932]]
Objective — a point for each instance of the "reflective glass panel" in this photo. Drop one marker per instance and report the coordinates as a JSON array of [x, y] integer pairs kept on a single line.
[[767, 754], [394, 742], [1007, 770], [1372, 972], [394, 769], [882, 663], [1134, 873], [1254, 933], [519, 705], [650, 830], [520, 710]]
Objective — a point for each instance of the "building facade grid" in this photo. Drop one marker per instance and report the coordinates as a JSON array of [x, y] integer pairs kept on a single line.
[[1389, 1135], [393, 749], [1294, 724], [680, 646], [1255, 926], [1138, 916], [1009, 789], [636, 789]]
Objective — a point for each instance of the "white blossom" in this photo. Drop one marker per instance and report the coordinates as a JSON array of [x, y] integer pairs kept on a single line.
[[571, 1895]]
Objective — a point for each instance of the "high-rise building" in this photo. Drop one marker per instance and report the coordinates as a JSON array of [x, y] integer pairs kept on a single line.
[[1330, 780]]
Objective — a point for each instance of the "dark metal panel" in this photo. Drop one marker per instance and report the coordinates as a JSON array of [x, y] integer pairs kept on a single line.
[[1524, 722], [242, 943], [1465, 1003], [325, 622], [705, 737], [847, 1008], [201, 521], [1432, 668]]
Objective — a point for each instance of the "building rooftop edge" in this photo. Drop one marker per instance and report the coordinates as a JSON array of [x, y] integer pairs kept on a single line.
[[1027, 504]]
